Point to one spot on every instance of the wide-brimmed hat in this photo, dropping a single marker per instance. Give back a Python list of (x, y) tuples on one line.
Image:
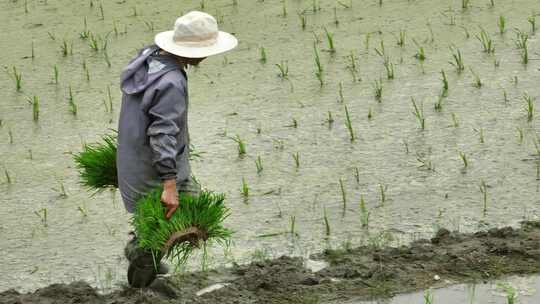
[(195, 35)]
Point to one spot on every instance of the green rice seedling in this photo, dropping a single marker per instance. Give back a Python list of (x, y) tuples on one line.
[(330, 40), (419, 113), (18, 79), (115, 28), (382, 52), (64, 48), (284, 8), (71, 102), (258, 164), (357, 175), (42, 214), (348, 124), (87, 74), (33, 52), (91, 3), (26, 6), (520, 135), (370, 114), (378, 90), (343, 194), (496, 63), (134, 12), (480, 134), (345, 5), (245, 188), (530, 106), (316, 6), (94, 42), (382, 190), (35, 107), (439, 104), (455, 121), (283, 69), (458, 61), (501, 24), (515, 80), (96, 164), (296, 157), (294, 124), (485, 40), (428, 296), (352, 60), (10, 136), (292, 222), (401, 38), (445, 84), (55, 70), (505, 96), (420, 54), (329, 119), (521, 39), (425, 163), (83, 210), (197, 219), (364, 213), (241, 145), (235, 2), (389, 70), (524, 55), (406, 145), (84, 34), (107, 59), (303, 21), (109, 96), (318, 65), (101, 11), (366, 41), (532, 21), (431, 35), (477, 82), (340, 92), (51, 36), (492, 3), (463, 157), (8, 176), (149, 25), (483, 190), (61, 190), (326, 223), (465, 4)]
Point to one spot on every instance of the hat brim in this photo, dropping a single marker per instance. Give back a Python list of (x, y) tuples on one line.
[(224, 42)]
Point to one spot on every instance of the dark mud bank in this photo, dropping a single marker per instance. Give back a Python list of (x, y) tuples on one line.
[(364, 272)]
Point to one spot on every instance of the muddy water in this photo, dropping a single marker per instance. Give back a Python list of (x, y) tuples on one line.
[(236, 94), (525, 288)]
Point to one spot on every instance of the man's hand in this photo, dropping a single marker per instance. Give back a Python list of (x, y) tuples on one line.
[(169, 197)]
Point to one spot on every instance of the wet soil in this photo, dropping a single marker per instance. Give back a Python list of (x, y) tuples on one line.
[(365, 272)]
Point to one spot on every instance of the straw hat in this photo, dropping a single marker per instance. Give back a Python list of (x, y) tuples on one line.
[(195, 35)]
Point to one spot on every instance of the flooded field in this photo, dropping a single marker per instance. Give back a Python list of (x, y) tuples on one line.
[(468, 160)]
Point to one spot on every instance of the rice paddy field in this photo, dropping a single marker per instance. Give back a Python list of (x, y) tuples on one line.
[(333, 124)]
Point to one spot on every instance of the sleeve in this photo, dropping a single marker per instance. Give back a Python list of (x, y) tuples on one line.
[(165, 117)]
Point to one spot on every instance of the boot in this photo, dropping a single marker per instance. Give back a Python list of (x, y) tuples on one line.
[(142, 270)]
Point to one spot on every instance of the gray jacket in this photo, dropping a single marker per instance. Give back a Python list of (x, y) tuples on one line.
[(153, 141)]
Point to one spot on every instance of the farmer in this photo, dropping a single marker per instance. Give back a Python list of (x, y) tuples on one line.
[(153, 140)]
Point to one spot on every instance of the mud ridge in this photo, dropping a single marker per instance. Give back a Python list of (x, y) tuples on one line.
[(361, 273)]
